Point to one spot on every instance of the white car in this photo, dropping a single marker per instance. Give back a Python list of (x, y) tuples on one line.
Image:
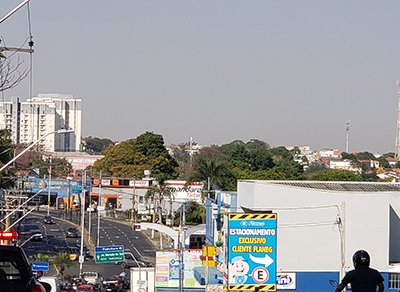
[(92, 278), (54, 282)]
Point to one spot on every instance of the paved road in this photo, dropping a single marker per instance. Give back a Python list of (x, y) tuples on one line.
[(112, 232)]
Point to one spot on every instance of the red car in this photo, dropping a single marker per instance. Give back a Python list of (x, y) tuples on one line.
[(85, 288)]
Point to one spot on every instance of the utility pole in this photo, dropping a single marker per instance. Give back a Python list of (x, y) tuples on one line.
[(98, 212), (6, 199), (81, 257), (347, 128), (49, 189), (90, 216), (133, 201), (181, 245), (342, 231)]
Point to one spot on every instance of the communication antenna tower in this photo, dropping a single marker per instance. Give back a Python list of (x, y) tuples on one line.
[(397, 150), (190, 153), (347, 128)]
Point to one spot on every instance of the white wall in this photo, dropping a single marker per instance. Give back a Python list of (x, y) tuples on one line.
[(308, 238)]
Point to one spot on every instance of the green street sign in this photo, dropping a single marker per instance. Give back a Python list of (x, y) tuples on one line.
[(109, 254)]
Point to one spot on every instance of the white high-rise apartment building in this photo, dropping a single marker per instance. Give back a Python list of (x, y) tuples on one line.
[(32, 119)]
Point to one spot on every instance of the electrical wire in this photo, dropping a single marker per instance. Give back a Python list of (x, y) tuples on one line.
[(305, 208), (308, 224)]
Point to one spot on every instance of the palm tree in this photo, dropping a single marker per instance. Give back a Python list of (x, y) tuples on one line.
[(212, 173), (60, 262), (157, 194)]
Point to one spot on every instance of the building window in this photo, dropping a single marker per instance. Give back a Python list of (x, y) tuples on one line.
[(394, 280)]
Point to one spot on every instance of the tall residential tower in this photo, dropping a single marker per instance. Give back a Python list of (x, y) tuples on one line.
[(32, 119)]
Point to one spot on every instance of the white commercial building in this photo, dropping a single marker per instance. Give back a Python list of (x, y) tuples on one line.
[(32, 119), (322, 224)]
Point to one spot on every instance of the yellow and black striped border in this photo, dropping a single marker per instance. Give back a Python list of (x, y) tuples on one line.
[(271, 287), (247, 216)]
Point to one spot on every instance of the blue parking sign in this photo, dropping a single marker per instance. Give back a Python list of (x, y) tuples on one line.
[(252, 251)]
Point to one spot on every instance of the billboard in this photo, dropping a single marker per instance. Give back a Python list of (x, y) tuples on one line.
[(167, 268), (252, 251), (59, 187), (183, 192)]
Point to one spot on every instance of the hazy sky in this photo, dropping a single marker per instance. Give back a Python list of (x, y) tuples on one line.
[(285, 72)]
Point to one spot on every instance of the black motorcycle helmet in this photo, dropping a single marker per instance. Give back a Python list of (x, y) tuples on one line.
[(361, 258)]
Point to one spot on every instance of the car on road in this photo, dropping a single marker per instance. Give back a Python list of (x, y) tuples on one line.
[(93, 278), (30, 220), (54, 282), (29, 229), (113, 284), (36, 235), (15, 272), (73, 253), (85, 288), (86, 251), (72, 232), (132, 261), (47, 219)]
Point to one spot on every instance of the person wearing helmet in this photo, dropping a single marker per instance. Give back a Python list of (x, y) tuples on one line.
[(362, 278)]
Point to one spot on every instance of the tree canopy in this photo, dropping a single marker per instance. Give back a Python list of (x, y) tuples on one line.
[(6, 146), (131, 157), (335, 175), (94, 145)]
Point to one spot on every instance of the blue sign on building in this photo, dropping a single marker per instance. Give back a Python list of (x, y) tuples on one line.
[(252, 251), (40, 266)]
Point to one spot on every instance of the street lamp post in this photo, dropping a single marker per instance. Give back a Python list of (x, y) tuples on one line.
[(14, 10), (30, 238), (62, 131)]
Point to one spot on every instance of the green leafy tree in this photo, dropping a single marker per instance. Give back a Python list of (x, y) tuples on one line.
[(214, 174), (157, 194), (96, 145), (235, 150), (280, 153), (383, 162), (290, 169), (150, 145), (39, 257), (60, 262), (6, 146), (365, 156), (335, 175), (257, 144), (255, 153), (372, 177), (60, 167), (389, 154), (132, 157), (313, 169), (210, 165), (182, 157), (260, 159), (195, 213)]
